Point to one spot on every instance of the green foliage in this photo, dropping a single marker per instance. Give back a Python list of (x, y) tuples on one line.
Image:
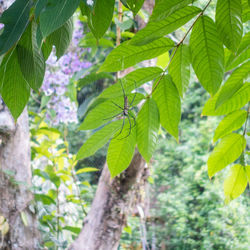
[(179, 69), (61, 38), (207, 54), (169, 105), (127, 55), (15, 19), (147, 126), (121, 149), (229, 24), (227, 151), (133, 5)]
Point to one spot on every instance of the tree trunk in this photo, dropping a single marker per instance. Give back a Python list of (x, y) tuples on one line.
[(112, 203), (15, 181)]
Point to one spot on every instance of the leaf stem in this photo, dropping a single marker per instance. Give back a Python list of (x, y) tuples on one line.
[(177, 46)]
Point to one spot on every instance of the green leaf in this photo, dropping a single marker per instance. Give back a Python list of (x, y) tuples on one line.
[(247, 168), (131, 81), (237, 101), (229, 24), (164, 8), (107, 111), (90, 41), (100, 18), (233, 83), (242, 54), (147, 125), (158, 29), (133, 5), (75, 230), (30, 58), (226, 151), (55, 14), (93, 77), (121, 150), (230, 123), (127, 55), (236, 183), (87, 170), (45, 199), (98, 139), (14, 89), (169, 104), (15, 20), (179, 68), (245, 10), (207, 54), (61, 38)]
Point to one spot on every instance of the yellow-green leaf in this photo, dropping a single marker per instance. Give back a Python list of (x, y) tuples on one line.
[(98, 139), (169, 104), (121, 150), (207, 54), (230, 123), (226, 151), (147, 125), (236, 183)]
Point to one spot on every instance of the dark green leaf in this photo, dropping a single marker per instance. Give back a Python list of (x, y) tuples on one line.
[(30, 58), (75, 230), (15, 20), (179, 68), (158, 29), (229, 24), (61, 37), (14, 89), (227, 151), (127, 55), (100, 18), (147, 125), (93, 77), (207, 54), (45, 199), (134, 5), (55, 14), (169, 104)]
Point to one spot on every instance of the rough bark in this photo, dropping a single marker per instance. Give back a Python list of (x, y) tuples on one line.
[(112, 203), (15, 181)]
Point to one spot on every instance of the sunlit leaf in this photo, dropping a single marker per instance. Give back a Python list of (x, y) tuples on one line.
[(179, 68), (121, 150), (236, 183), (147, 125), (158, 29), (168, 101), (87, 170), (207, 54), (237, 101), (98, 139), (127, 55), (227, 151), (229, 24), (230, 123)]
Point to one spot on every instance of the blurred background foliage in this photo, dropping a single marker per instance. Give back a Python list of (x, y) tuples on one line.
[(181, 209)]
